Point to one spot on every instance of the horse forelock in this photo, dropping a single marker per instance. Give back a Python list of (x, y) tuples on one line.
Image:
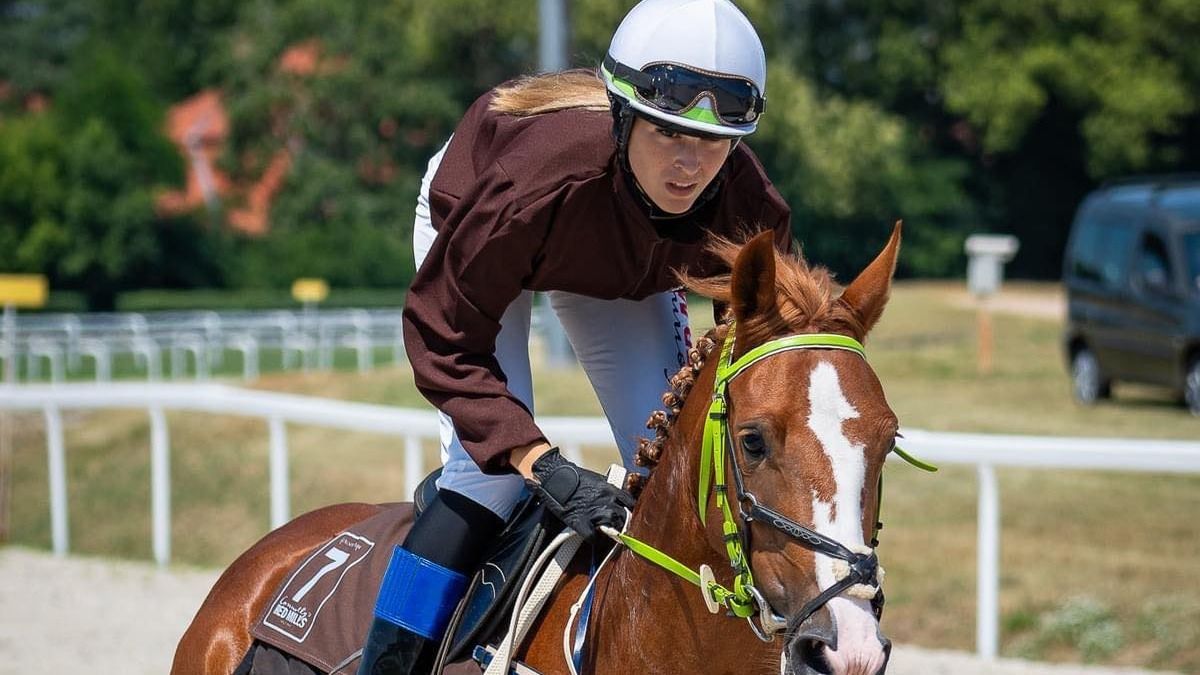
[(806, 298)]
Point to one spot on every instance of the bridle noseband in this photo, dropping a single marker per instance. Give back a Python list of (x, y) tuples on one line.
[(745, 600)]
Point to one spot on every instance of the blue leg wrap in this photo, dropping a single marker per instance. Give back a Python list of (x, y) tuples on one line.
[(419, 595)]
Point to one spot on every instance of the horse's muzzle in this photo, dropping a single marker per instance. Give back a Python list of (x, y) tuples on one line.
[(808, 652)]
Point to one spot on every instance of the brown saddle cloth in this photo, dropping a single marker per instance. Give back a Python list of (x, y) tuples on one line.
[(323, 611)]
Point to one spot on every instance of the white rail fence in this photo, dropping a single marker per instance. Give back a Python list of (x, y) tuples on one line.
[(985, 452), (202, 338)]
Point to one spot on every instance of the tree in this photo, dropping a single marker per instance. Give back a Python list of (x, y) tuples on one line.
[(39, 39), (77, 186), (1045, 98), (386, 85)]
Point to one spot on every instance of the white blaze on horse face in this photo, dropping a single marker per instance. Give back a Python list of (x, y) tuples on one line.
[(841, 519)]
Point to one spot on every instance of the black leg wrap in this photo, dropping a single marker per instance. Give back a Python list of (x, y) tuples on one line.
[(454, 532)]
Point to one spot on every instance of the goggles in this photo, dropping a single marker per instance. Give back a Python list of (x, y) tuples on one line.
[(676, 89)]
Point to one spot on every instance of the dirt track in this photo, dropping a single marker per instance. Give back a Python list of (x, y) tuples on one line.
[(97, 616)]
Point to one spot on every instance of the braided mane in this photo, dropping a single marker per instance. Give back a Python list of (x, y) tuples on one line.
[(806, 302)]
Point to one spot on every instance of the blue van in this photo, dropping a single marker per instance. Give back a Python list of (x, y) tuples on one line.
[(1132, 277)]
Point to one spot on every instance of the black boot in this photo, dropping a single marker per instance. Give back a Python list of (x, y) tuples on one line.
[(425, 580), (391, 650)]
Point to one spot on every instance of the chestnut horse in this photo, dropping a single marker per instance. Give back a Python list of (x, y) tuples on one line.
[(796, 430)]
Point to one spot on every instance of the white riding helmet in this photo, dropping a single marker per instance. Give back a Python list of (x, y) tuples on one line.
[(694, 64)]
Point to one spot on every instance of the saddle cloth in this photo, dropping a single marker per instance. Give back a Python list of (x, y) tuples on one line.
[(323, 611)]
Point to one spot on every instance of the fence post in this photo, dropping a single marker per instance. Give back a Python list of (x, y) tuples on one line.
[(58, 480), (573, 452), (160, 485), (280, 508), (414, 469), (987, 621)]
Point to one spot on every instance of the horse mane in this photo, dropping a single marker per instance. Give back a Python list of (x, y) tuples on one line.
[(549, 92), (805, 302)]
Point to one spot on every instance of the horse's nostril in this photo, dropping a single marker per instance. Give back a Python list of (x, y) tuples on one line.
[(808, 655), (887, 654)]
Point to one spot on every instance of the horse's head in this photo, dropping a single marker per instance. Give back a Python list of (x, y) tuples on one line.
[(795, 432)]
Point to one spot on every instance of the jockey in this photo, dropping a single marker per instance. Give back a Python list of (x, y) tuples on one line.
[(594, 190)]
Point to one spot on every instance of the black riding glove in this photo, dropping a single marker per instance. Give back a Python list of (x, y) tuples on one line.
[(583, 500)]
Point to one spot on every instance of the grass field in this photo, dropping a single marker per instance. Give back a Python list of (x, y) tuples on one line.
[(1096, 566)]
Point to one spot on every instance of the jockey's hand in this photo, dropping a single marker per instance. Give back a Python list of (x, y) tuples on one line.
[(581, 499)]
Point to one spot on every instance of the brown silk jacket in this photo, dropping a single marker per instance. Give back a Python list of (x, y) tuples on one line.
[(540, 203)]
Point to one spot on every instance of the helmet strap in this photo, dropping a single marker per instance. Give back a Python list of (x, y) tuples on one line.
[(622, 114)]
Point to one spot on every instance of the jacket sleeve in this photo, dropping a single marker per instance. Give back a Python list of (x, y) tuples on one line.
[(474, 270), (784, 240)]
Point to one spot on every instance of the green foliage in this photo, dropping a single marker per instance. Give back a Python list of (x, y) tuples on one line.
[(954, 117), (39, 39), (1118, 64), (1081, 623), (1168, 623), (77, 188), (850, 170), (385, 95), (1043, 99)]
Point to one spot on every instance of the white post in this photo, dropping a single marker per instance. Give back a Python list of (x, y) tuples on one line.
[(248, 346), (73, 328), (414, 469), (280, 508), (10, 343), (552, 35), (987, 619), (148, 352), (8, 336), (553, 39), (58, 480), (100, 353), (573, 452), (160, 485)]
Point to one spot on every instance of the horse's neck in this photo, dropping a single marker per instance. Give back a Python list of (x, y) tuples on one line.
[(667, 517), (645, 604)]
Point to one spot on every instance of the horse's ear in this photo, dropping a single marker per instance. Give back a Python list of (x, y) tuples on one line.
[(753, 282), (867, 295)]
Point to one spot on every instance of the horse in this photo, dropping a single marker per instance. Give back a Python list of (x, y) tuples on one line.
[(791, 426)]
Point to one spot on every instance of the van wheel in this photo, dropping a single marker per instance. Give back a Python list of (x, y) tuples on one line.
[(1191, 387), (1088, 382)]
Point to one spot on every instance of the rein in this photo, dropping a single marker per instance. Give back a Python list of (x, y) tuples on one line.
[(744, 600)]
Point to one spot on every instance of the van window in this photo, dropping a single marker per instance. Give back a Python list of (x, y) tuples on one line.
[(1103, 242), (1153, 266), (1130, 194), (1183, 202), (1191, 253)]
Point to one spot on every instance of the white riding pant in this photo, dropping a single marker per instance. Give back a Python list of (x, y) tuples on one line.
[(629, 349)]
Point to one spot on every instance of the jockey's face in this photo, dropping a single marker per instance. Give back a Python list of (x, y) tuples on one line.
[(673, 169)]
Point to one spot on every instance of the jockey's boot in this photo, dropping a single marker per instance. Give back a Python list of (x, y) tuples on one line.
[(425, 580)]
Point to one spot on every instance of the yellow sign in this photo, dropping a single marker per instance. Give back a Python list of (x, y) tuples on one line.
[(310, 290), (23, 290)]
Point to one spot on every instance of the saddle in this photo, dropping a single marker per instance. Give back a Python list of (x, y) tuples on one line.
[(323, 611)]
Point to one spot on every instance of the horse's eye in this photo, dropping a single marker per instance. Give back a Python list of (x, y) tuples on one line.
[(753, 444)]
